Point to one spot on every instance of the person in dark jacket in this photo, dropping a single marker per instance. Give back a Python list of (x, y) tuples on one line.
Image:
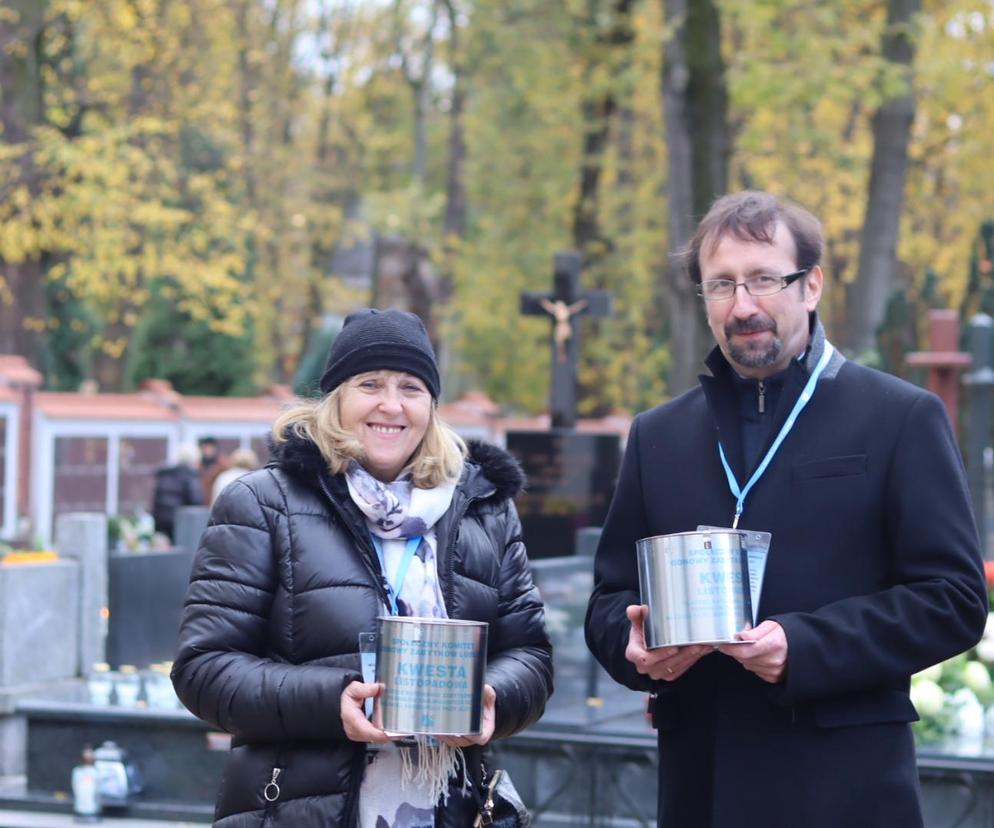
[(301, 557), (873, 572), (175, 486)]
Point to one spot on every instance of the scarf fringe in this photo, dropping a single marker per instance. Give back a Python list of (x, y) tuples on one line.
[(431, 765)]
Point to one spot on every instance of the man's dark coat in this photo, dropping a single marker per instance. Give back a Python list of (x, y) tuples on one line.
[(874, 573)]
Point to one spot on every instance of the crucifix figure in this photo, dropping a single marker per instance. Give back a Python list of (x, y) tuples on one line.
[(563, 306)]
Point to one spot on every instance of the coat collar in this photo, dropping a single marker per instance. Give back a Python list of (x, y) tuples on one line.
[(489, 471), (719, 388)]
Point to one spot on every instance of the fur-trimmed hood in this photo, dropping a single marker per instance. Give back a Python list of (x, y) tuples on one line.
[(485, 462)]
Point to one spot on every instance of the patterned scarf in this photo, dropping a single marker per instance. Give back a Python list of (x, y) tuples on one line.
[(394, 512)]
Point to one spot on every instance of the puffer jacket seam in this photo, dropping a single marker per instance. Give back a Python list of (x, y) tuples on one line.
[(291, 592)]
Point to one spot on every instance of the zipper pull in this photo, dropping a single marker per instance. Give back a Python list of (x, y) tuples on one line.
[(762, 397), (272, 791)]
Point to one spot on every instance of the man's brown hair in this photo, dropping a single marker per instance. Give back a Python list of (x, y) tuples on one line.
[(753, 215)]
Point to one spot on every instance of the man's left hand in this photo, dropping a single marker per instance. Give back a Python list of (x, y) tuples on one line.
[(766, 656)]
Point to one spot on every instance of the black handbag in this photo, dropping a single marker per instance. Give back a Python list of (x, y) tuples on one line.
[(500, 805)]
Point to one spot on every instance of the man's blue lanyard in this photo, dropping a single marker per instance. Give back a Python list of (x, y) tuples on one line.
[(397, 584), (803, 400)]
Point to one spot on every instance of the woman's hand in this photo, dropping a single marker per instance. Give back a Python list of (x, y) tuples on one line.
[(357, 727), (486, 723)]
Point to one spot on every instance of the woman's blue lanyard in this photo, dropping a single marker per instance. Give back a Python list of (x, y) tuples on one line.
[(397, 584), (803, 400)]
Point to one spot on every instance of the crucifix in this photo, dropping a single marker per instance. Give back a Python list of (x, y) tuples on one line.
[(563, 306)]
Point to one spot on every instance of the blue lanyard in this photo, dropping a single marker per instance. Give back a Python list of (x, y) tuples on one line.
[(803, 400), (394, 587)]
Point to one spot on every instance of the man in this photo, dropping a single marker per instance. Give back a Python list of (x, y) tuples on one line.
[(211, 465), (176, 485), (873, 571)]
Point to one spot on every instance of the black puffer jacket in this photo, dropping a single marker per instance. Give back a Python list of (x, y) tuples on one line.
[(282, 585)]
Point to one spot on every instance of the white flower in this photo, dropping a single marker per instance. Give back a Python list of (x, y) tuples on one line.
[(989, 626), (976, 676), (933, 673), (927, 697), (985, 650)]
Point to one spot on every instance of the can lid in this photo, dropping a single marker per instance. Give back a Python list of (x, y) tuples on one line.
[(443, 622)]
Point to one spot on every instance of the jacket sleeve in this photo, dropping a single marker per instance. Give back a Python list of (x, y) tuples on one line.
[(616, 572), (520, 665), (937, 604), (222, 671)]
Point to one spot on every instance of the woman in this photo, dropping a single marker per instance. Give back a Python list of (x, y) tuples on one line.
[(243, 460), (291, 570)]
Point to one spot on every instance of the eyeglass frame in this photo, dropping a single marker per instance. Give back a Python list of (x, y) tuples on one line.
[(785, 282)]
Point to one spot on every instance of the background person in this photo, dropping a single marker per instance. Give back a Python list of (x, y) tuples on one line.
[(241, 462), (301, 557), (176, 485), (874, 571)]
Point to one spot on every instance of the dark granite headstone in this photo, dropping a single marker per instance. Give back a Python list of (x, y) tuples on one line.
[(146, 590), (571, 478)]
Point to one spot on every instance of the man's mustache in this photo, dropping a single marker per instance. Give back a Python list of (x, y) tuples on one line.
[(754, 324)]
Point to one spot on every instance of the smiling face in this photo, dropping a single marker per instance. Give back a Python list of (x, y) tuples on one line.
[(760, 335), (388, 412)]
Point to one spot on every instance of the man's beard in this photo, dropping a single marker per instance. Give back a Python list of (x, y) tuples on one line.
[(755, 355)]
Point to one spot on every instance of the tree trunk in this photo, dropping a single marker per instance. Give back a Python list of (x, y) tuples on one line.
[(22, 284), (695, 108), (596, 115), (867, 296)]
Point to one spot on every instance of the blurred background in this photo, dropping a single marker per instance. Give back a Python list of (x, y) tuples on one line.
[(199, 190)]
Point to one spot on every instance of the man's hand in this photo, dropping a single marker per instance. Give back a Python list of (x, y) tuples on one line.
[(357, 727), (662, 663), (766, 656)]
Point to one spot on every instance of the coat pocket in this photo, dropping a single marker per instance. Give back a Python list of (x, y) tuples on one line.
[(845, 466), (876, 707)]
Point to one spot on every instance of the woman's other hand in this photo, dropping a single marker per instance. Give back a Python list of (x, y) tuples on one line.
[(357, 727), (486, 723)]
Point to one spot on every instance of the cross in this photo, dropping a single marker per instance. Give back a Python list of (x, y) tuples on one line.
[(563, 305)]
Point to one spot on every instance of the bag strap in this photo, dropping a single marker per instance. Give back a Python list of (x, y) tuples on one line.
[(486, 802)]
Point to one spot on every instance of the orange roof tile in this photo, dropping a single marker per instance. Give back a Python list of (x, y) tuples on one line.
[(15, 370), (73, 406), (223, 409)]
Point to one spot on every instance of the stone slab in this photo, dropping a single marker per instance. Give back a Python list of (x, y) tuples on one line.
[(39, 622), (83, 536)]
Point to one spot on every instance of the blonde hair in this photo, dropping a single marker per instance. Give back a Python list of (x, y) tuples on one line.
[(438, 459)]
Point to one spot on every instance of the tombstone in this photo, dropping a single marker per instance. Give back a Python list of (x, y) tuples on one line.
[(147, 591), (189, 525), (83, 536), (39, 629), (571, 477), (979, 382), (39, 622), (943, 360)]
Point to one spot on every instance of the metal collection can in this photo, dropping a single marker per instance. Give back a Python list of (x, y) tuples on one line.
[(696, 585), (432, 670)]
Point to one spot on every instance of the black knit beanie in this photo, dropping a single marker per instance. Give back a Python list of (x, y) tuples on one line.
[(378, 340)]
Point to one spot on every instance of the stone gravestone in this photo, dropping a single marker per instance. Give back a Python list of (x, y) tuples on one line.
[(571, 475), (571, 478), (83, 537), (189, 526), (147, 591)]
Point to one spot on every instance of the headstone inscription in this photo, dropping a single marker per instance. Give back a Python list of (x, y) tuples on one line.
[(571, 477)]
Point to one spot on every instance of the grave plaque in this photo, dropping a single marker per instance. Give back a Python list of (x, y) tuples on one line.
[(147, 591), (571, 477)]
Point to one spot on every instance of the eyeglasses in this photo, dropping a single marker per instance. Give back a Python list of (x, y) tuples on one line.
[(716, 290)]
